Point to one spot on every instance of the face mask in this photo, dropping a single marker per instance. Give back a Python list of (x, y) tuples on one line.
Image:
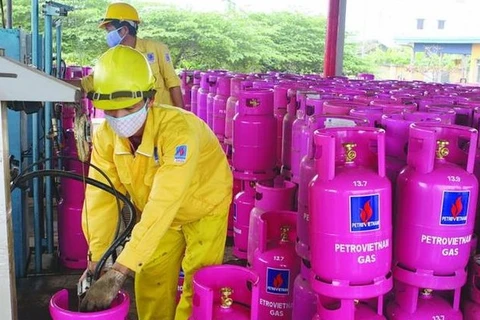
[(114, 38), (128, 125)]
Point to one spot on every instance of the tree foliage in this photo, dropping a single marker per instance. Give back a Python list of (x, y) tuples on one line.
[(237, 41)]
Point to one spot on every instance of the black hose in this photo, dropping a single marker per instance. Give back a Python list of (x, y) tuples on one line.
[(117, 230), (122, 236)]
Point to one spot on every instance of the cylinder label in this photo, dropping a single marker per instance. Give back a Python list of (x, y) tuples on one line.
[(278, 281), (364, 213), (454, 208)]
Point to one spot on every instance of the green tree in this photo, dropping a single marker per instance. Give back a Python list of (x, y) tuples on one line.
[(236, 41)]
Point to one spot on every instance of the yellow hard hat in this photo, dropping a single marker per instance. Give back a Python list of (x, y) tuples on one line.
[(119, 11), (122, 77)]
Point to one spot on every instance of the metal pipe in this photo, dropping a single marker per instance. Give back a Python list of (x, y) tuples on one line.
[(58, 53), (58, 28), (342, 12), (331, 39), (48, 143), (9, 15), (35, 146)]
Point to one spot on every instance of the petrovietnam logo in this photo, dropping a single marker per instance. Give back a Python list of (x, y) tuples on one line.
[(278, 281), (454, 208), (364, 213)]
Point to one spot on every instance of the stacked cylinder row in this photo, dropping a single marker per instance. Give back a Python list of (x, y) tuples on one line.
[(353, 198)]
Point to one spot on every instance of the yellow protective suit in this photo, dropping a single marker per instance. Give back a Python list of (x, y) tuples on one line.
[(180, 181), (158, 56)]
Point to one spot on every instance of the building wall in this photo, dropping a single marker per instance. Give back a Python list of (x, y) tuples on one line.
[(405, 73), (474, 62)]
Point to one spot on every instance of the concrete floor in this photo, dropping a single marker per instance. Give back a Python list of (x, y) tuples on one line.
[(34, 291)]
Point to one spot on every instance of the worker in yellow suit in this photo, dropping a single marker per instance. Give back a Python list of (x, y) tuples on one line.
[(121, 22), (173, 168)]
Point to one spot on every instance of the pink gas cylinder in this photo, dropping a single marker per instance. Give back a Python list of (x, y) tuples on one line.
[(243, 204), (446, 116), (212, 92), (186, 77), (288, 120), (86, 70), (59, 308), (371, 113), (277, 195), (254, 133), (237, 84), (406, 99), (415, 303), (468, 103), (332, 309), (237, 188), (476, 118), (304, 298), (433, 248), (365, 99), (74, 72), (471, 303), (365, 76), (350, 255), (68, 116), (202, 96), (314, 106), (225, 292), (72, 245), (298, 126), (340, 107), (280, 101), (220, 105), (463, 113), (277, 264), (396, 126), (194, 93), (263, 84), (424, 101), (307, 172), (473, 268), (395, 107), (347, 93)]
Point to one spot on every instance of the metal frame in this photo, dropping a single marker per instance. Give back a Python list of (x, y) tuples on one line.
[(14, 78)]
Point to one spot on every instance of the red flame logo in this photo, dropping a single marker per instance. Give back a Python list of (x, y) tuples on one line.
[(180, 151), (367, 212), (278, 281), (457, 207)]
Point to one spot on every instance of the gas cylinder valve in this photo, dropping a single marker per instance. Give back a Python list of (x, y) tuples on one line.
[(442, 150), (350, 154), (284, 233), (426, 292), (227, 301)]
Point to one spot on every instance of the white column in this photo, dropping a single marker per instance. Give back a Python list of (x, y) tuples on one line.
[(8, 300)]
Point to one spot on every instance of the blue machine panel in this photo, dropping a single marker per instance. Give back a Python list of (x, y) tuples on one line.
[(14, 41)]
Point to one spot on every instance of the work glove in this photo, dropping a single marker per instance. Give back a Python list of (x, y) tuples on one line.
[(103, 291)]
